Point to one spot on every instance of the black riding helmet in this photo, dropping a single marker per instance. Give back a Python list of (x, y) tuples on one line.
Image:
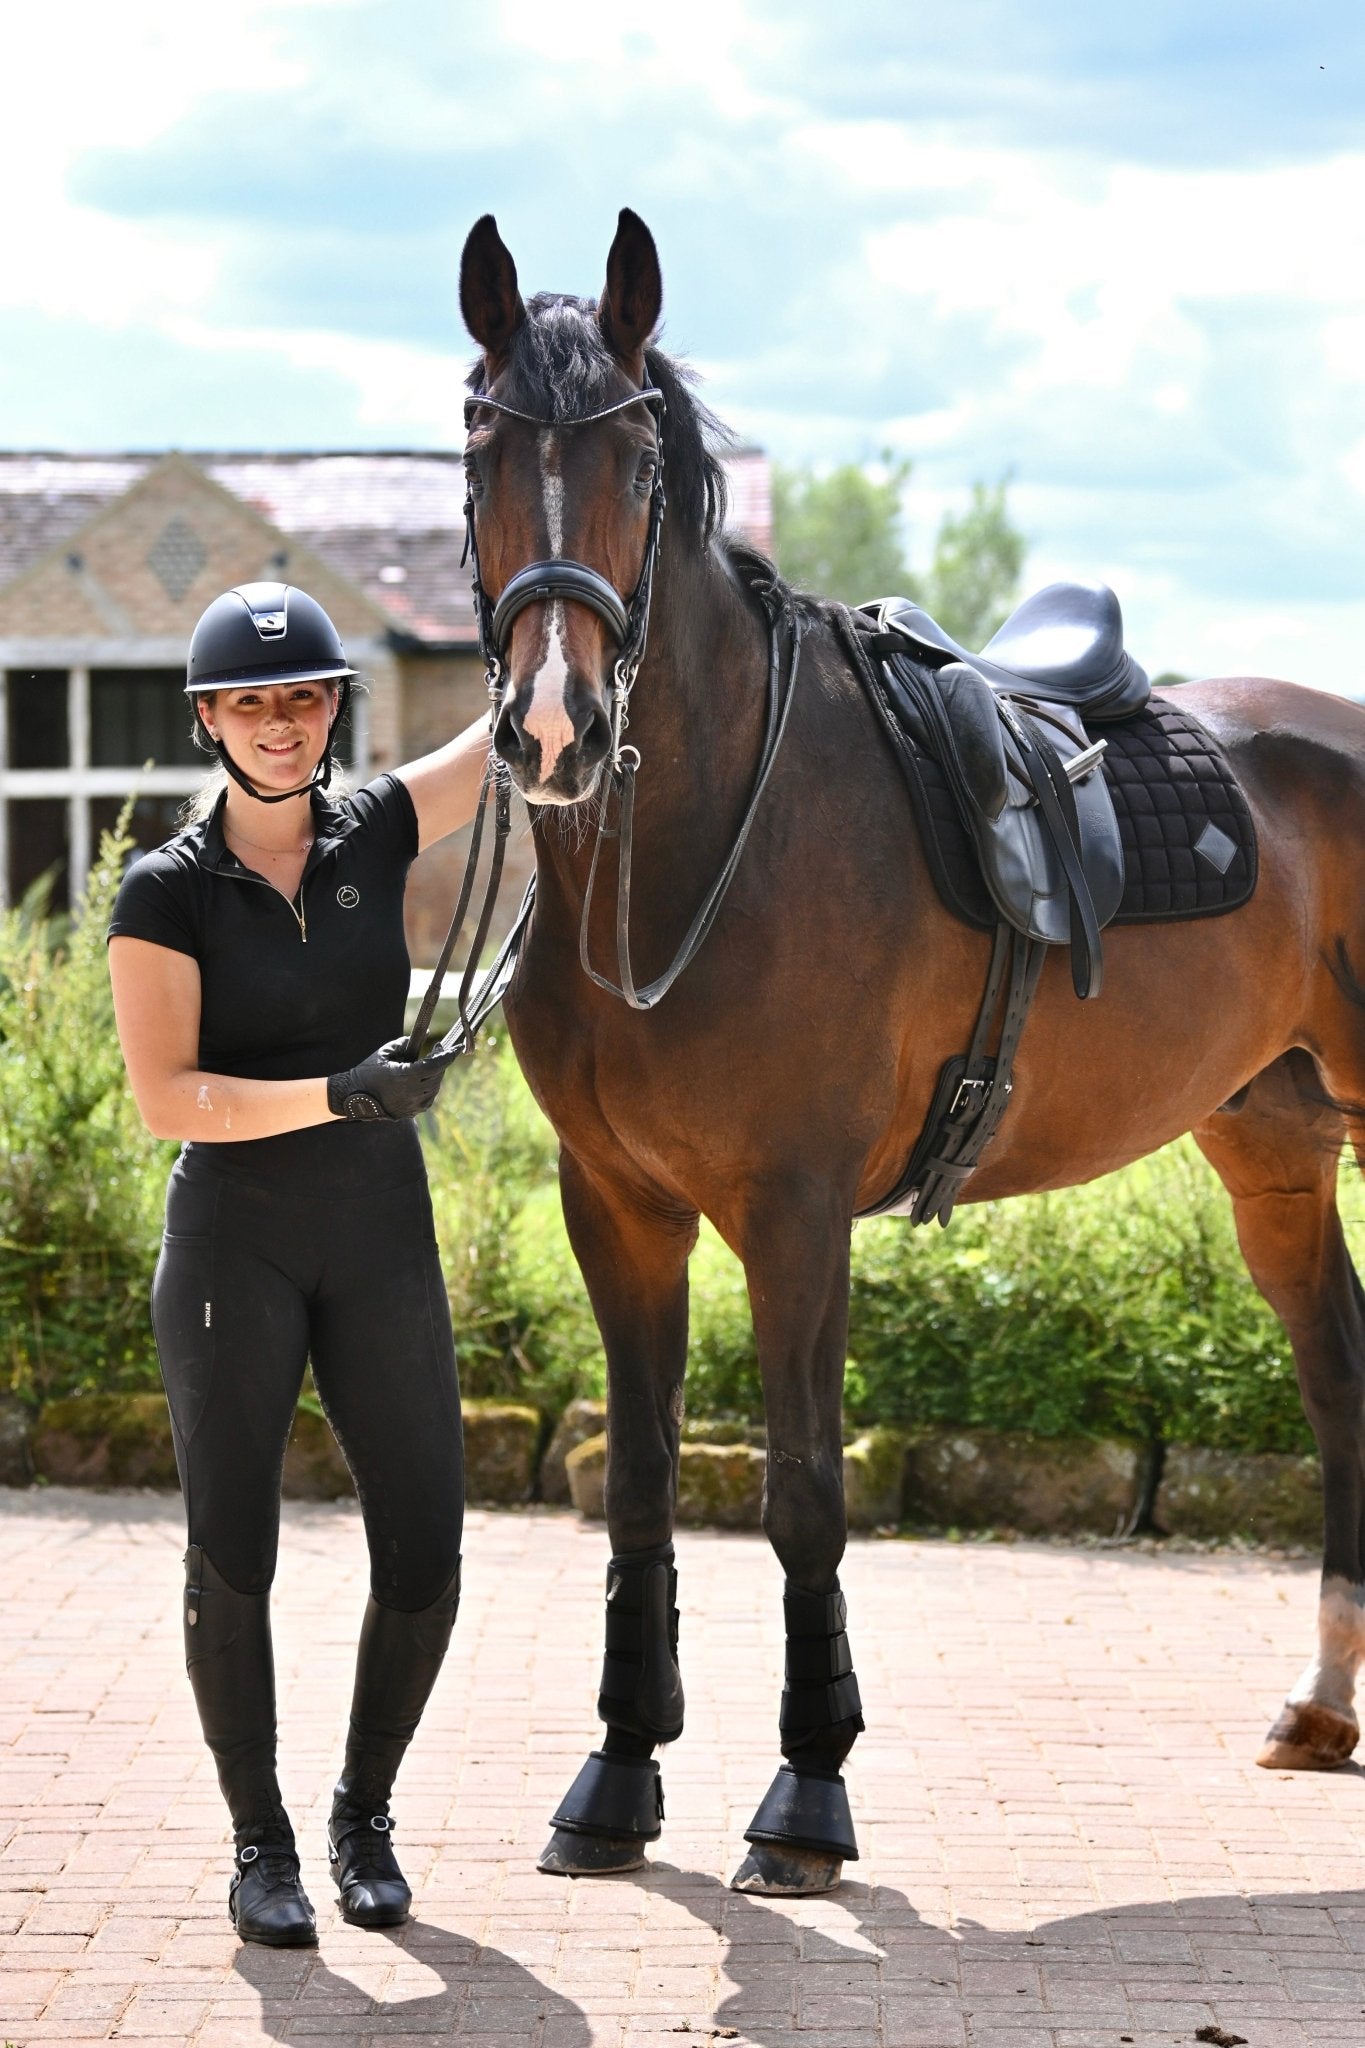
[(266, 633)]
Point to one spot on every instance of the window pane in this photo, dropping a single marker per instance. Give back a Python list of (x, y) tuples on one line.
[(36, 704), (37, 843), (153, 822), (137, 715)]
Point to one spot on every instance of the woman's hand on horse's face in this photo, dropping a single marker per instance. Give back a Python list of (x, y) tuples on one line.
[(274, 732)]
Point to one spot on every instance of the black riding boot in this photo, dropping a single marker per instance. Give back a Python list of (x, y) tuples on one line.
[(232, 1670), (399, 1657)]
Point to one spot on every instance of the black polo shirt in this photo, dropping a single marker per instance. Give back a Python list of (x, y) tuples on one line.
[(287, 992)]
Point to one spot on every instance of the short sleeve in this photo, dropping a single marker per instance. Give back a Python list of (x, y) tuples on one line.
[(155, 902), (385, 812)]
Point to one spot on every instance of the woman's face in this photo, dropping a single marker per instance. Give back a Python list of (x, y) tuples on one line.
[(275, 732)]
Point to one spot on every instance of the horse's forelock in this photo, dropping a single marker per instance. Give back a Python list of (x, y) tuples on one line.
[(558, 367)]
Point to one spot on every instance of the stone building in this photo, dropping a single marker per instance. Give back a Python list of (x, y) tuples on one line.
[(107, 561)]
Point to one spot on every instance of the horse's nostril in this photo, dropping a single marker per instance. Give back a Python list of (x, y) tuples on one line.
[(507, 734), (595, 739)]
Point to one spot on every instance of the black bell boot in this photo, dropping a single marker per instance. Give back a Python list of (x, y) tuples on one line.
[(232, 1670), (399, 1657)]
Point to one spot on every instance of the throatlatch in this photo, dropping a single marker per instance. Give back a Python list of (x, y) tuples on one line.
[(806, 1806), (618, 1792)]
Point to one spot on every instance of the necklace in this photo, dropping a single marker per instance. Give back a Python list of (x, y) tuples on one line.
[(256, 847)]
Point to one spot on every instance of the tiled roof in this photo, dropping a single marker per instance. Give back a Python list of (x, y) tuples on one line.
[(392, 523)]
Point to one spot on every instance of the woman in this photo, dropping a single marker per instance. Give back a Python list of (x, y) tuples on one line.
[(257, 961)]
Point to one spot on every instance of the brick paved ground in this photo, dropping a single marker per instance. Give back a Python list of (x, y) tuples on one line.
[(1065, 1844)]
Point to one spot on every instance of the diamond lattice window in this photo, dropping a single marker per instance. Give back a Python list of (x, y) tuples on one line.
[(177, 557)]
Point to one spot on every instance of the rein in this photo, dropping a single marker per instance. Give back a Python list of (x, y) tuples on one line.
[(627, 619), (778, 709)]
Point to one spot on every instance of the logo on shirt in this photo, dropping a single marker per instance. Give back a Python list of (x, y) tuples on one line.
[(348, 897)]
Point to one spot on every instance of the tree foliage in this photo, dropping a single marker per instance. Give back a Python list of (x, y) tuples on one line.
[(973, 582), (840, 533)]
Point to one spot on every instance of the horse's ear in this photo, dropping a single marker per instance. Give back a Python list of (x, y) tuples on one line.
[(489, 299), (633, 296)]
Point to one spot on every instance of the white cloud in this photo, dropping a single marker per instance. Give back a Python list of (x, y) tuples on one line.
[(1172, 357)]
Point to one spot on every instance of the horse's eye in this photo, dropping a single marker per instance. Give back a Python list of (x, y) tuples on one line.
[(646, 473), (473, 481)]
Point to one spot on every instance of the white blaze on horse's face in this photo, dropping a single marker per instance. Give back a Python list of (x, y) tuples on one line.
[(547, 719)]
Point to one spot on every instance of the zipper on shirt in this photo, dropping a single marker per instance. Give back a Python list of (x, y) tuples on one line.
[(296, 909)]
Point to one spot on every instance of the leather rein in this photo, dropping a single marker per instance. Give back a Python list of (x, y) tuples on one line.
[(628, 622)]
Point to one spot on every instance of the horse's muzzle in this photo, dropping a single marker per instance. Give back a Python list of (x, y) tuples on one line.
[(554, 759)]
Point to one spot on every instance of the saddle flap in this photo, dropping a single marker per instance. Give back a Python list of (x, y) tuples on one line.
[(1019, 859)]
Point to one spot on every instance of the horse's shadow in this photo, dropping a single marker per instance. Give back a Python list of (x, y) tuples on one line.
[(865, 1965), (862, 1965), (483, 1991)]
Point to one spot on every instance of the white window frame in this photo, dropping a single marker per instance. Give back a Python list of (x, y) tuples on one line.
[(78, 783)]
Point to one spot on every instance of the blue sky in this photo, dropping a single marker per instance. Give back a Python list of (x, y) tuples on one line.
[(1118, 255)]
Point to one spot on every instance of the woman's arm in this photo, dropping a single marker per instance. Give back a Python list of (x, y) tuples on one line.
[(156, 1004), (444, 786)]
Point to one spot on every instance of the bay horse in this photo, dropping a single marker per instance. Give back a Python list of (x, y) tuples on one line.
[(780, 1086)]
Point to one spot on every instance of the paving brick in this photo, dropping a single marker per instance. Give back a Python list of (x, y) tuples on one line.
[(1065, 1840)]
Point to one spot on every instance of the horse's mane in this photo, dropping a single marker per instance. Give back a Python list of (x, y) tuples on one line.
[(559, 367)]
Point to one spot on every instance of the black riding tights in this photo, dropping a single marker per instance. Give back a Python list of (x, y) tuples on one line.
[(255, 1278)]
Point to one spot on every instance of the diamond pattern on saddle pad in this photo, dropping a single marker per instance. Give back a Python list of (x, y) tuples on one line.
[(1189, 844)]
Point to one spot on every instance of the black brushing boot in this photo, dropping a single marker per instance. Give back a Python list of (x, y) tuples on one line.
[(232, 1670), (400, 1655)]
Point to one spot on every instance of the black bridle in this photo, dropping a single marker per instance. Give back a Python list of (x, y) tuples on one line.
[(627, 619)]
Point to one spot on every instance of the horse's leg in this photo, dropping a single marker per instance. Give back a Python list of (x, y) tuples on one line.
[(634, 1262), (795, 1248), (1277, 1156)]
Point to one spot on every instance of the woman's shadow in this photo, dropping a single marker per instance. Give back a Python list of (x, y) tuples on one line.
[(483, 1992)]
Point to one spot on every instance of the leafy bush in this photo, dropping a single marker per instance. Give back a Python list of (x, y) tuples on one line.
[(1122, 1309), (522, 1321), (81, 1190), (1118, 1309)]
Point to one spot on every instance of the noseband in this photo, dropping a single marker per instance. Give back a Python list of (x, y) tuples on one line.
[(626, 619)]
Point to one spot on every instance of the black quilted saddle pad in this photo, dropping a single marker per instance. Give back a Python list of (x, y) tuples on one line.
[(1189, 844)]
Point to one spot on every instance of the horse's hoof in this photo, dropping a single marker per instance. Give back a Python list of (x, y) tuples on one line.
[(786, 1873), (1307, 1737), (570, 1855)]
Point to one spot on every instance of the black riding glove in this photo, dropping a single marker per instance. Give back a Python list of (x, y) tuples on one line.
[(388, 1084)]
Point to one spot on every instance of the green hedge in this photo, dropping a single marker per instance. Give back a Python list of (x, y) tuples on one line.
[(81, 1182), (1118, 1309)]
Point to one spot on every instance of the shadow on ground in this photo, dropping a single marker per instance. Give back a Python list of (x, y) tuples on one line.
[(483, 1992), (864, 1967)]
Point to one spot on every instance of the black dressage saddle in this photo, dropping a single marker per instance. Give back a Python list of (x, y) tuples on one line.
[(1006, 728)]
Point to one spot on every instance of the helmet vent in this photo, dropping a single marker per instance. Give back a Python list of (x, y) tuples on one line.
[(176, 557)]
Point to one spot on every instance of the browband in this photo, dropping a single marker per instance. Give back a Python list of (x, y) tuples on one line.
[(649, 394)]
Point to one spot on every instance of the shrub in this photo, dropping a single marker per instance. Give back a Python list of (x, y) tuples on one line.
[(81, 1192), (522, 1322), (1122, 1308)]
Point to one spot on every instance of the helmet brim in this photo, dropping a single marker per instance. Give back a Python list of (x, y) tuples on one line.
[(255, 678)]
